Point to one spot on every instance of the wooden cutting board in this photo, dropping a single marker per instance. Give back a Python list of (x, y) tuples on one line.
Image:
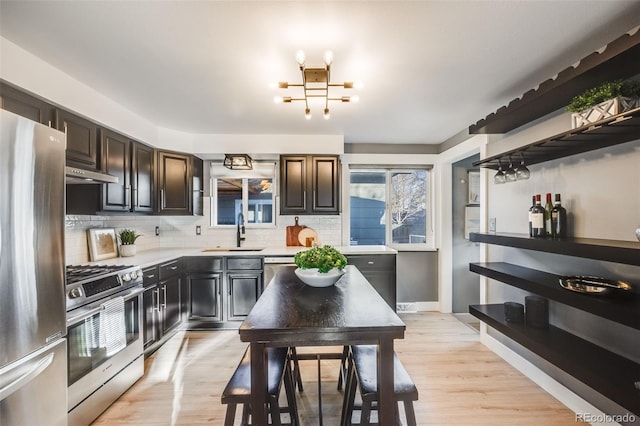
[(292, 233)]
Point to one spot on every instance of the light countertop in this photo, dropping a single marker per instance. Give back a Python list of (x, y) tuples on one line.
[(152, 257)]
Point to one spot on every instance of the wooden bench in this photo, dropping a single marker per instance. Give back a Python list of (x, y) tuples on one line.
[(238, 389), (362, 373)]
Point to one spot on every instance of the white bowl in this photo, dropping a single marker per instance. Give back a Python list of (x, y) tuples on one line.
[(314, 278)]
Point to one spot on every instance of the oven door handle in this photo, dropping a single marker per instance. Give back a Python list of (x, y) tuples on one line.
[(33, 372), (87, 313)]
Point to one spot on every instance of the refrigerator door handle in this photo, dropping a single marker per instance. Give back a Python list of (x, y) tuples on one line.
[(33, 372)]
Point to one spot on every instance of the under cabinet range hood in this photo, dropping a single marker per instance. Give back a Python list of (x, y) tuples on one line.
[(81, 176)]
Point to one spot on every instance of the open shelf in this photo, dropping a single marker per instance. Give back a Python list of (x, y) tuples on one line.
[(619, 60), (623, 309), (627, 252), (610, 374), (621, 128)]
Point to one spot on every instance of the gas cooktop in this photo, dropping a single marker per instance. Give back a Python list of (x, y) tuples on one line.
[(90, 283)]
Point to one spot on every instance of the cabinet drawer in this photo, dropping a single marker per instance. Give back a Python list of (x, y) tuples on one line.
[(203, 264), (378, 261), (241, 263), (150, 275), (170, 269)]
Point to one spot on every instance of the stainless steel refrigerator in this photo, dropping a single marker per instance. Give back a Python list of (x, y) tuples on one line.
[(33, 352)]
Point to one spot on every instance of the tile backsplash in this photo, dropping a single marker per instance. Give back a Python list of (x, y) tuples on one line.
[(180, 231)]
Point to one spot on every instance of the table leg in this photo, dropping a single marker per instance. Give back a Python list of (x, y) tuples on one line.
[(386, 406), (258, 384)]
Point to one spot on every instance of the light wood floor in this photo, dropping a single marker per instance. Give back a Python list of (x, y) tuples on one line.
[(460, 381)]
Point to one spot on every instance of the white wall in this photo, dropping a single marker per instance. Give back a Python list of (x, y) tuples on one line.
[(601, 191), (32, 74)]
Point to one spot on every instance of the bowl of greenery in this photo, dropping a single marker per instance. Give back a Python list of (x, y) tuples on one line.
[(320, 266), (127, 238)]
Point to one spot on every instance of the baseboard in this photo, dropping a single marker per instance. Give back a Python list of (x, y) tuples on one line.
[(563, 394), (418, 307)]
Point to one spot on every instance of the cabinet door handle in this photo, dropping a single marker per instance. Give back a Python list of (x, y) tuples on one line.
[(127, 195), (157, 304), (135, 196), (304, 199), (164, 297), (151, 276), (370, 262), (173, 268), (162, 204)]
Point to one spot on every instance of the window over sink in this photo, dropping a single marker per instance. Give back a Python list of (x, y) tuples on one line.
[(250, 192)]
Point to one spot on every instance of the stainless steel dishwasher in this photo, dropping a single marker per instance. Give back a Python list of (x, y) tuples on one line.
[(272, 264)]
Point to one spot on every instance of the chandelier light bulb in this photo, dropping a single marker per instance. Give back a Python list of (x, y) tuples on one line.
[(358, 85), (355, 99), (307, 114), (300, 57), (278, 99), (327, 115), (328, 57)]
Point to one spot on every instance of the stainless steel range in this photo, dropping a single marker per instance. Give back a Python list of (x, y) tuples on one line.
[(105, 348)]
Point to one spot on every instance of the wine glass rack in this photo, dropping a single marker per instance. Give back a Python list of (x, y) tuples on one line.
[(618, 129)]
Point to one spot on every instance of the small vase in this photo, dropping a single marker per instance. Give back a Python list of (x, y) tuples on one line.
[(127, 250)]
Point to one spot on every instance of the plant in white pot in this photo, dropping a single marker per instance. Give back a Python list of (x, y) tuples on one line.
[(604, 101), (320, 266), (128, 239)]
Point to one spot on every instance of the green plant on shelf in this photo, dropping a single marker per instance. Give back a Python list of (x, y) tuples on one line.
[(324, 258), (609, 90), (128, 236)]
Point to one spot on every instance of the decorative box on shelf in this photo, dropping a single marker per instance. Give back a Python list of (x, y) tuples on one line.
[(604, 110)]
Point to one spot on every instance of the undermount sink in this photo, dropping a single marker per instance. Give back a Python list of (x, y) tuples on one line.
[(220, 249)]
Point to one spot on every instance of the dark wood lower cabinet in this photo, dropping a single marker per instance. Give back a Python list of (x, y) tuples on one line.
[(204, 296), (222, 290), (162, 303)]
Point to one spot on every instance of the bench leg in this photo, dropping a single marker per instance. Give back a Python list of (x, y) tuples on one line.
[(411, 415), (349, 395), (230, 416), (245, 415), (290, 391), (365, 414)]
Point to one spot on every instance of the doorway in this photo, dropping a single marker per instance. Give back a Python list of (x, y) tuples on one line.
[(465, 218)]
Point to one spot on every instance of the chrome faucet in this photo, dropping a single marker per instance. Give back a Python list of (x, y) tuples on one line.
[(239, 239)]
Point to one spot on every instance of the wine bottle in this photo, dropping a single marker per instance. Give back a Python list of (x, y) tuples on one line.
[(558, 219), (537, 219), (533, 203), (547, 215)]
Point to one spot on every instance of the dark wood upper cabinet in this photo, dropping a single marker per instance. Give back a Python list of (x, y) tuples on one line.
[(25, 105), (309, 184), (142, 182), (83, 146), (116, 162), (174, 183), (198, 186)]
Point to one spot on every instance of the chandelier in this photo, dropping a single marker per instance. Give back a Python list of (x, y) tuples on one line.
[(315, 84)]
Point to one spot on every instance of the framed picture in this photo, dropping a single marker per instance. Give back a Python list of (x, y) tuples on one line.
[(102, 243), (474, 187)]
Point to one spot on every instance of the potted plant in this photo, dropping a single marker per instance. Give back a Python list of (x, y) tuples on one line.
[(606, 100), (320, 266), (127, 238)]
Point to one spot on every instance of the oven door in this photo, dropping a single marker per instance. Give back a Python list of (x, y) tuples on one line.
[(103, 338)]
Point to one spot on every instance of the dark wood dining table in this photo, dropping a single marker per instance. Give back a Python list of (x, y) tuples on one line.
[(290, 313)]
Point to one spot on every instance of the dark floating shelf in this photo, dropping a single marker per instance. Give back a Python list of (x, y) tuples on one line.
[(621, 128), (626, 252), (622, 308), (619, 60), (610, 374)]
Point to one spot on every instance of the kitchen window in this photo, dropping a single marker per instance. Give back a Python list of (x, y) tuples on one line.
[(250, 192), (391, 206)]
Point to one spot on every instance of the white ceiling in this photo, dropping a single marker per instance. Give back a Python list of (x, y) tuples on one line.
[(430, 68)]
